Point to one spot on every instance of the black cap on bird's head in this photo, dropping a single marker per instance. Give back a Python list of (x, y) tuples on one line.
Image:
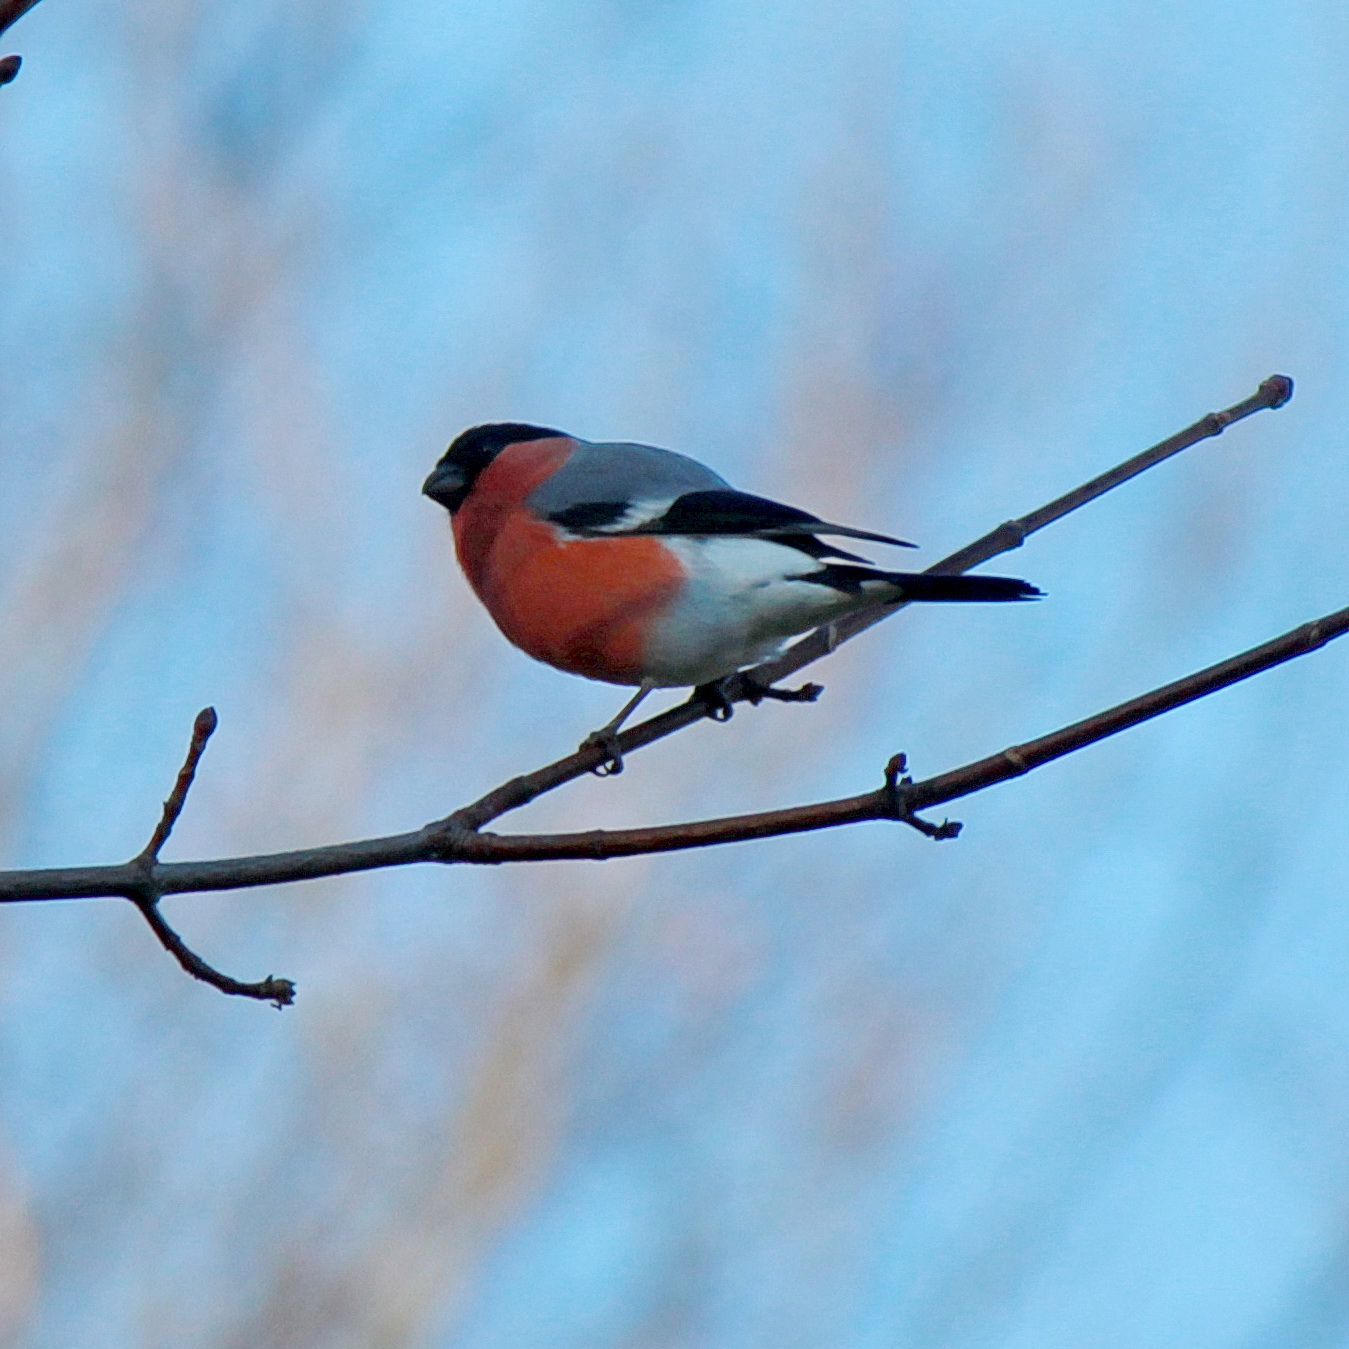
[(453, 477)]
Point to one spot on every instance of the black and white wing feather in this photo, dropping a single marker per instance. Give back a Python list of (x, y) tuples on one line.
[(625, 489), (726, 511)]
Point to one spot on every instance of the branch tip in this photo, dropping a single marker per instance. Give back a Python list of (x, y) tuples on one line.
[(1276, 391), (279, 992), (1273, 393), (9, 68)]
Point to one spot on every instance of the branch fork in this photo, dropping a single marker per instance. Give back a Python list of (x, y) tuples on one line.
[(145, 890)]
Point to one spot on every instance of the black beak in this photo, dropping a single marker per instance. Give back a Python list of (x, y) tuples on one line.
[(446, 485)]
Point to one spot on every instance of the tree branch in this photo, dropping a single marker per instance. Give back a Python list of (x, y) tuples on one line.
[(1272, 393), (896, 799), (459, 838), (452, 841), (11, 11)]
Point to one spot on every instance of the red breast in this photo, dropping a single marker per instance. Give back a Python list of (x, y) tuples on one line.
[(582, 605)]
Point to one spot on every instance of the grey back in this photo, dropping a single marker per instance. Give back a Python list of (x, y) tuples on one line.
[(618, 472)]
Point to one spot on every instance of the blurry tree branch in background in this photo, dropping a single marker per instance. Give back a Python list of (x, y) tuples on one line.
[(11, 11), (460, 837)]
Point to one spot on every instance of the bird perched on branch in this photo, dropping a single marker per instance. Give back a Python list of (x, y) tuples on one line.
[(637, 566)]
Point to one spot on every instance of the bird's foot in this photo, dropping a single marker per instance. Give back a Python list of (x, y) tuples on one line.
[(714, 700), (714, 696), (756, 692), (606, 739)]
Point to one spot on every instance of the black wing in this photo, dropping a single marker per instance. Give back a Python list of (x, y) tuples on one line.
[(730, 512)]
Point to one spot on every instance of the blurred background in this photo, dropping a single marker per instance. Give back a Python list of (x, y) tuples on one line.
[(1078, 1079)]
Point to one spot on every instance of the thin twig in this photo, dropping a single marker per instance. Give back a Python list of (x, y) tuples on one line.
[(279, 992), (1272, 393), (11, 11), (898, 799), (202, 730), (146, 889)]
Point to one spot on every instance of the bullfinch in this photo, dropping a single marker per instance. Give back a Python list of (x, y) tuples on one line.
[(641, 567)]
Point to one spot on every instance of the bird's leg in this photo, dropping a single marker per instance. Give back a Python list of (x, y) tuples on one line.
[(606, 738)]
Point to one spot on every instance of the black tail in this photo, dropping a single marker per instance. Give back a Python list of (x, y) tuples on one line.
[(925, 587)]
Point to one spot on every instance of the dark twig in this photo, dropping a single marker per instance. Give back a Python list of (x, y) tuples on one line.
[(11, 11), (146, 890), (202, 730), (1272, 393), (279, 992)]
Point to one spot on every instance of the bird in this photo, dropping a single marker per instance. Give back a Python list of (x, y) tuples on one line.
[(642, 567)]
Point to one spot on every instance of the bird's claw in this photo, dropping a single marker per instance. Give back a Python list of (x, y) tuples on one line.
[(605, 739), (756, 692), (719, 707), (714, 700)]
